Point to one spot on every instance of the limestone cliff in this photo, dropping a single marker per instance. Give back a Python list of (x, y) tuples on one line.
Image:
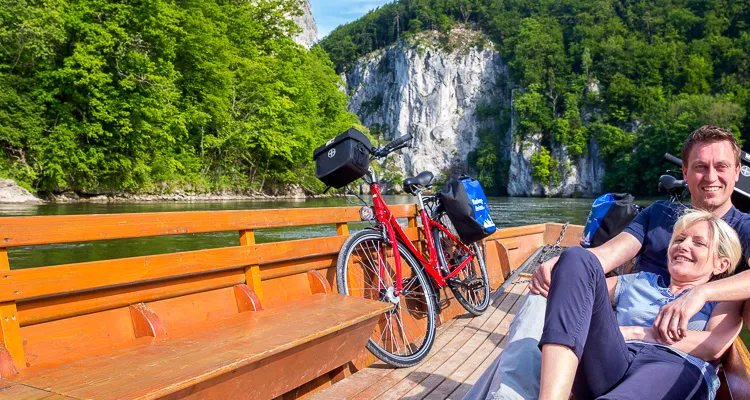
[(430, 92), (580, 177), (433, 90), (306, 22)]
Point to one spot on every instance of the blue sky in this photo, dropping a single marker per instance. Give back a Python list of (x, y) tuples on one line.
[(329, 14)]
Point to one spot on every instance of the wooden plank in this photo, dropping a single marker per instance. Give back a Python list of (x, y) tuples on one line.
[(247, 300), (518, 231), (58, 342), (461, 391), (7, 368), (10, 326), (737, 370), (342, 229), (484, 345), (377, 378), (196, 311), (318, 283), (495, 273), (235, 343), (12, 390), (27, 231), (510, 244), (145, 321), (252, 271), (421, 377), (572, 234), (449, 367), (58, 307), (70, 278)]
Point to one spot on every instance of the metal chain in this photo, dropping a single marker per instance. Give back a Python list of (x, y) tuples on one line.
[(553, 250)]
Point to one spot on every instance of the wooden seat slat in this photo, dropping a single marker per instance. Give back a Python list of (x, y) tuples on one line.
[(28, 231), (12, 390), (161, 367)]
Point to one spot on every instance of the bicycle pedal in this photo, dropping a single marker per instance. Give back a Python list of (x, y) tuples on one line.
[(456, 282)]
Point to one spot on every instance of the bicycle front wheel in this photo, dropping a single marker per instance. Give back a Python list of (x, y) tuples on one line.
[(471, 286), (366, 268)]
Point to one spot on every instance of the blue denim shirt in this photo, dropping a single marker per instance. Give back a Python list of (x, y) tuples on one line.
[(638, 298)]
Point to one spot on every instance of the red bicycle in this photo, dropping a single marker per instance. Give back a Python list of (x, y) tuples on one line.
[(381, 263)]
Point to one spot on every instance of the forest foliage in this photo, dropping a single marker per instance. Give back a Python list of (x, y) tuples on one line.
[(635, 75), (199, 95)]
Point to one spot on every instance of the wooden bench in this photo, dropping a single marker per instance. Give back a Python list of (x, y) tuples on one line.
[(192, 324)]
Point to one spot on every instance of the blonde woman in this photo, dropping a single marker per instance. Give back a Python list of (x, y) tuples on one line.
[(597, 352)]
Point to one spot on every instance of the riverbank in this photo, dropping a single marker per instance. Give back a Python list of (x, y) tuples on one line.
[(12, 193)]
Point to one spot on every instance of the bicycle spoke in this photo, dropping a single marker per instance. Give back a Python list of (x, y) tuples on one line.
[(403, 335)]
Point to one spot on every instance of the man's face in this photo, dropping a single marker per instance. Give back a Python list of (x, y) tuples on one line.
[(711, 173)]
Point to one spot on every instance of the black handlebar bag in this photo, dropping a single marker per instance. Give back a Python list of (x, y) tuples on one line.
[(343, 159)]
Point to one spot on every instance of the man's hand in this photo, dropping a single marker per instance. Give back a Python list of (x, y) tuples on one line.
[(638, 333), (670, 325), (541, 278)]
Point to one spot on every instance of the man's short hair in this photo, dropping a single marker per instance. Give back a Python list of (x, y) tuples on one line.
[(709, 134)]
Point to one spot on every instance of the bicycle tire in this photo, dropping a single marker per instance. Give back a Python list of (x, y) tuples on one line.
[(414, 313), (475, 298)]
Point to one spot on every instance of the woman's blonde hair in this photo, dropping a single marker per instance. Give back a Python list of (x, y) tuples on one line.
[(723, 240)]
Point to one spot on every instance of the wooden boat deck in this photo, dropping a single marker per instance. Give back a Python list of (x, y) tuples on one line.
[(464, 348)]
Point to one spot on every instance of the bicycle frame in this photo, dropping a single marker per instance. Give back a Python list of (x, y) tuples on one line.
[(395, 233)]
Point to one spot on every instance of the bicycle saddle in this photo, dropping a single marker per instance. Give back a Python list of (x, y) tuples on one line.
[(670, 184), (423, 179)]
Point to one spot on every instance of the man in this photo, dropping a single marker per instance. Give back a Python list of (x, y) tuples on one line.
[(711, 166)]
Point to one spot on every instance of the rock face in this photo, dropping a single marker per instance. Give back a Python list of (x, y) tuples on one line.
[(430, 93), (434, 95), (10, 192), (306, 22), (580, 177)]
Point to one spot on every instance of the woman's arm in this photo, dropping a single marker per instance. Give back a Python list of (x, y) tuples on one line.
[(723, 326)]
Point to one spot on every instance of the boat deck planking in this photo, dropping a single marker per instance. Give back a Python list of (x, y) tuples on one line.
[(464, 348)]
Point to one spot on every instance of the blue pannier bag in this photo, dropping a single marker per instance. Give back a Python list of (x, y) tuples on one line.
[(466, 205), (610, 214)]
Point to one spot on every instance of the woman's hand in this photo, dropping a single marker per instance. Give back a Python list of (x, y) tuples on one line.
[(670, 325)]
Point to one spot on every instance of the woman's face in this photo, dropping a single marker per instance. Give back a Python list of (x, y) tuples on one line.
[(691, 257)]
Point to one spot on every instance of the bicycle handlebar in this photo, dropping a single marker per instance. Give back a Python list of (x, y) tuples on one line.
[(674, 160), (403, 141)]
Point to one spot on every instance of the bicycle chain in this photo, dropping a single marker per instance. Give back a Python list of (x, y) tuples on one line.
[(553, 250)]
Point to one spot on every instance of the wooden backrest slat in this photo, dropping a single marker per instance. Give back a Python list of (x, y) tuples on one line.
[(59, 307), (517, 231), (28, 231), (71, 278)]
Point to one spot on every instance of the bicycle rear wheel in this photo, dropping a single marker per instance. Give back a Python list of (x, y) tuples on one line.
[(471, 285), (366, 268)]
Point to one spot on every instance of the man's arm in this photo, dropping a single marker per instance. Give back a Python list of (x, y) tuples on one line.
[(723, 326), (611, 255), (673, 318)]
